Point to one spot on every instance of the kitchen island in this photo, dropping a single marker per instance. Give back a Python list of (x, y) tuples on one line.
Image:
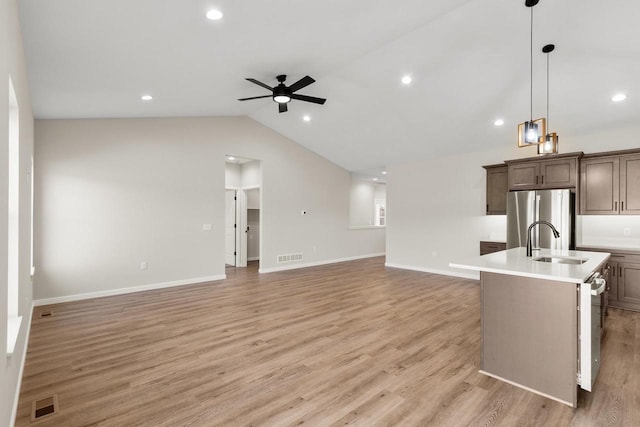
[(536, 319)]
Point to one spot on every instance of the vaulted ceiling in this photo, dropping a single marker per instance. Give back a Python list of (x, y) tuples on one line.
[(469, 61)]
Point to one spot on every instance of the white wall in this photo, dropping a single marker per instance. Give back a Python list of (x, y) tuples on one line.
[(251, 175), (232, 173), (435, 208), (12, 63), (253, 237), (362, 200), (116, 192), (253, 198)]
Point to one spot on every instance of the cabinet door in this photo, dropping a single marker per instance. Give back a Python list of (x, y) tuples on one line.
[(629, 283), (630, 184), (613, 278), (497, 184), (562, 173), (524, 176), (599, 186)]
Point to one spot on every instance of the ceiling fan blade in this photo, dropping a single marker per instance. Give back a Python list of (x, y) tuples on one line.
[(254, 97), (303, 82), (260, 83), (282, 108), (308, 98)]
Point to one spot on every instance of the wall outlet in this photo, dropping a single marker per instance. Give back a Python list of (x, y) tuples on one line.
[(626, 231), (143, 265), (314, 249), (206, 227), (434, 253)]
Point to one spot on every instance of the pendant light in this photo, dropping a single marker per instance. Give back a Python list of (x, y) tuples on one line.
[(550, 144), (531, 132)]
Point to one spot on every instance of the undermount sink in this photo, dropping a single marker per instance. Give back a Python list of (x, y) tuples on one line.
[(561, 260)]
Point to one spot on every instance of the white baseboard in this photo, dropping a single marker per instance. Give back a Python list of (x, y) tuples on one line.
[(121, 291), (253, 258), (472, 276), (23, 357), (316, 263)]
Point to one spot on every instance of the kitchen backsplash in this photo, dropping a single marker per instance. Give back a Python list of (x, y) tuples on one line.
[(622, 231)]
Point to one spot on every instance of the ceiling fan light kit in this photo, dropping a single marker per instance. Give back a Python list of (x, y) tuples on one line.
[(283, 94)]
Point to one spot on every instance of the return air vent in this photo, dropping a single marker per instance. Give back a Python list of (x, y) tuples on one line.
[(289, 258), (44, 407)]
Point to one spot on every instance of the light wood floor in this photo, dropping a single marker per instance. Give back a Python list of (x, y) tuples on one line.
[(348, 344)]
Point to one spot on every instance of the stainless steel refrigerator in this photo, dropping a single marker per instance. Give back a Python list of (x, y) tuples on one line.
[(526, 207)]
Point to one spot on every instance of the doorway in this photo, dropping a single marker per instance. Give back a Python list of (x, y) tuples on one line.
[(230, 227), (253, 224), (243, 179)]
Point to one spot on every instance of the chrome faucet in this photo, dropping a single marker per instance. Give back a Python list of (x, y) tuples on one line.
[(556, 234)]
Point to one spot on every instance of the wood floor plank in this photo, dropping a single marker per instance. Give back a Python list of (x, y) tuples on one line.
[(346, 344)]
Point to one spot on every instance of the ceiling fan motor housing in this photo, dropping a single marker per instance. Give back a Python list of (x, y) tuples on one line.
[(281, 91)]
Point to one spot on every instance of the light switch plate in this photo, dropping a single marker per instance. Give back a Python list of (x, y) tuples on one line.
[(206, 227)]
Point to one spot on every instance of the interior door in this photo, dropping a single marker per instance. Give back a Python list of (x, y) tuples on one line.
[(229, 227), (241, 230)]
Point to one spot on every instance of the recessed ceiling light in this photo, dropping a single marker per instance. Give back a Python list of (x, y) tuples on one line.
[(618, 97), (214, 15), (499, 122), (146, 97), (407, 80), (231, 158), (384, 172), (306, 118), (375, 179)]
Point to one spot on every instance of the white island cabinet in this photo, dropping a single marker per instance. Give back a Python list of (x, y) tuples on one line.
[(538, 329)]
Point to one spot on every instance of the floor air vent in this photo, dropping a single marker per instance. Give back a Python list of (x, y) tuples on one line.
[(289, 258), (44, 407)]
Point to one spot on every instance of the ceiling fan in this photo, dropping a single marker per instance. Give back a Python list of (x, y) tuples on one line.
[(283, 94)]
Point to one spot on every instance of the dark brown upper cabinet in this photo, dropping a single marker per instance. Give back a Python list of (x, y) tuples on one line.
[(610, 184), (497, 187), (559, 171), (630, 184)]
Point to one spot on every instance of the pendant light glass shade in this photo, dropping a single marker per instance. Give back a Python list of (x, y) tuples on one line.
[(550, 144), (531, 132)]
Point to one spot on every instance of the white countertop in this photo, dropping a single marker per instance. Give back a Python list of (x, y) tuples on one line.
[(515, 262)]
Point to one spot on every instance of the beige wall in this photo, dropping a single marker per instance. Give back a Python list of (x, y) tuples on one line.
[(363, 196), (232, 176), (435, 208), (113, 193), (12, 64)]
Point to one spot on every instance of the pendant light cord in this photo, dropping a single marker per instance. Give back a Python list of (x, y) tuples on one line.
[(531, 62), (548, 125)]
